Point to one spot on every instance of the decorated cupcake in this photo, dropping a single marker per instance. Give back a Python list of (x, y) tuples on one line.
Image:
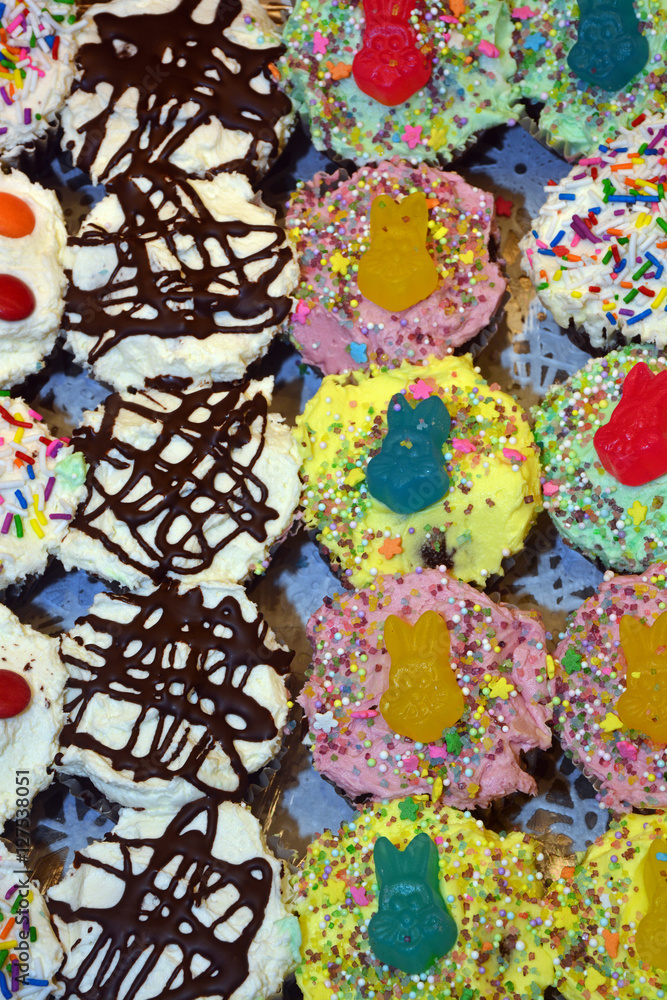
[(32, 679), (605, 458), (32, 280), (169, 86), (372, 80), (31, 952), (211, 276), (182, 903), (41, 484), (186, 481), (588, 69), (199, 709), (596, 252), (607, 925), (397, 263), (424, 686), (409, 894), (39, 45), (611, 690), (419, 466)]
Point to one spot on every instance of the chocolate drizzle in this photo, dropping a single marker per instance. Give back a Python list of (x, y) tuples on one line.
[(157, 910), (172, 61), (207, 274), (185, 655), (180, 509)]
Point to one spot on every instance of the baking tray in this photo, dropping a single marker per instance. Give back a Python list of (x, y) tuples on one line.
[(525, 356)]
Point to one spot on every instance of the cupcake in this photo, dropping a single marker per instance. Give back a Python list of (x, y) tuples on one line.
[(607, 915), (468, 676), (190, 703), (209, 288), (31, 952), (603, 457), (176, 87), (187, 481), (458, 57), (32, 280), (588, 70), (418, 466), (334, 326), (39, 45), (183, 904), (32, 679), (41, 484), (596, 251), (612, 704), (381, 900)]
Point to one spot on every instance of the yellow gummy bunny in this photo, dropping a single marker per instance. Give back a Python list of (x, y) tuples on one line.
[(396, 271), (651, 935), (423, 697), (643, 704)]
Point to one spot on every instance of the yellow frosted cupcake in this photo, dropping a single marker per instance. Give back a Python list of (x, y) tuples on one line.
[(421, 466), (412, 901), (609, 920)]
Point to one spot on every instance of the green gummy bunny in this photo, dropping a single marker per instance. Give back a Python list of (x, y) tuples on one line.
[(413, 927), (610, 49)]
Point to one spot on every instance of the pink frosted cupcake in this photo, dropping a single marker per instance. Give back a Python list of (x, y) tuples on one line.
[(469, 677), (611, 682), (334, 326)]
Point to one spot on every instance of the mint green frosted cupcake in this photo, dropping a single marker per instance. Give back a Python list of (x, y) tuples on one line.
[(467, 91)]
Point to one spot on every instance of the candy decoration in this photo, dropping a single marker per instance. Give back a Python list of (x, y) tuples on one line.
[(423, 698), (17, 219), (643, 704), (397, 270), (17, 301), (412, 927), (390, 67), (31, 45), (408, 474), (651, 935), (610, 49), (633, 445), (15, 694)]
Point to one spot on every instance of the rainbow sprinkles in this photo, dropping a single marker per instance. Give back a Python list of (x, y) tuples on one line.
[(37, 47), (597, 254)]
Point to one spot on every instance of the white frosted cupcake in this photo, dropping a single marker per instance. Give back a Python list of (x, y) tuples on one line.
[(39, 45), (32, 280), (32, 679), (192, 897), (29, 970), (205, 715)]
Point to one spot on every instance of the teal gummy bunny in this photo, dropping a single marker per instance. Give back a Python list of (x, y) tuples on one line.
[(413, 927), (610, 49), (408, 473)]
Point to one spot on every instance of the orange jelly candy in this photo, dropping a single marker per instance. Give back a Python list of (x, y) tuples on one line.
[(396, 271), (17, 219), (423, 697), (643, 704), (651, 935)]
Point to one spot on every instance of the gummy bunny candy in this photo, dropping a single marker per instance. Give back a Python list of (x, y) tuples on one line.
[(390, 67), (397, 271), (643, 704), (610, 49), (633, 445), (423, 697), (408, 474), (413, 927)]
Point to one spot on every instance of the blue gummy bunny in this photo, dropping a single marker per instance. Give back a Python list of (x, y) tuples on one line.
[(610, 49), (408, 473), (413, 927)]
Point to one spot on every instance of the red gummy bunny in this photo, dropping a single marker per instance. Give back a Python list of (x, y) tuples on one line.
[(633, 445), (389, 67)]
